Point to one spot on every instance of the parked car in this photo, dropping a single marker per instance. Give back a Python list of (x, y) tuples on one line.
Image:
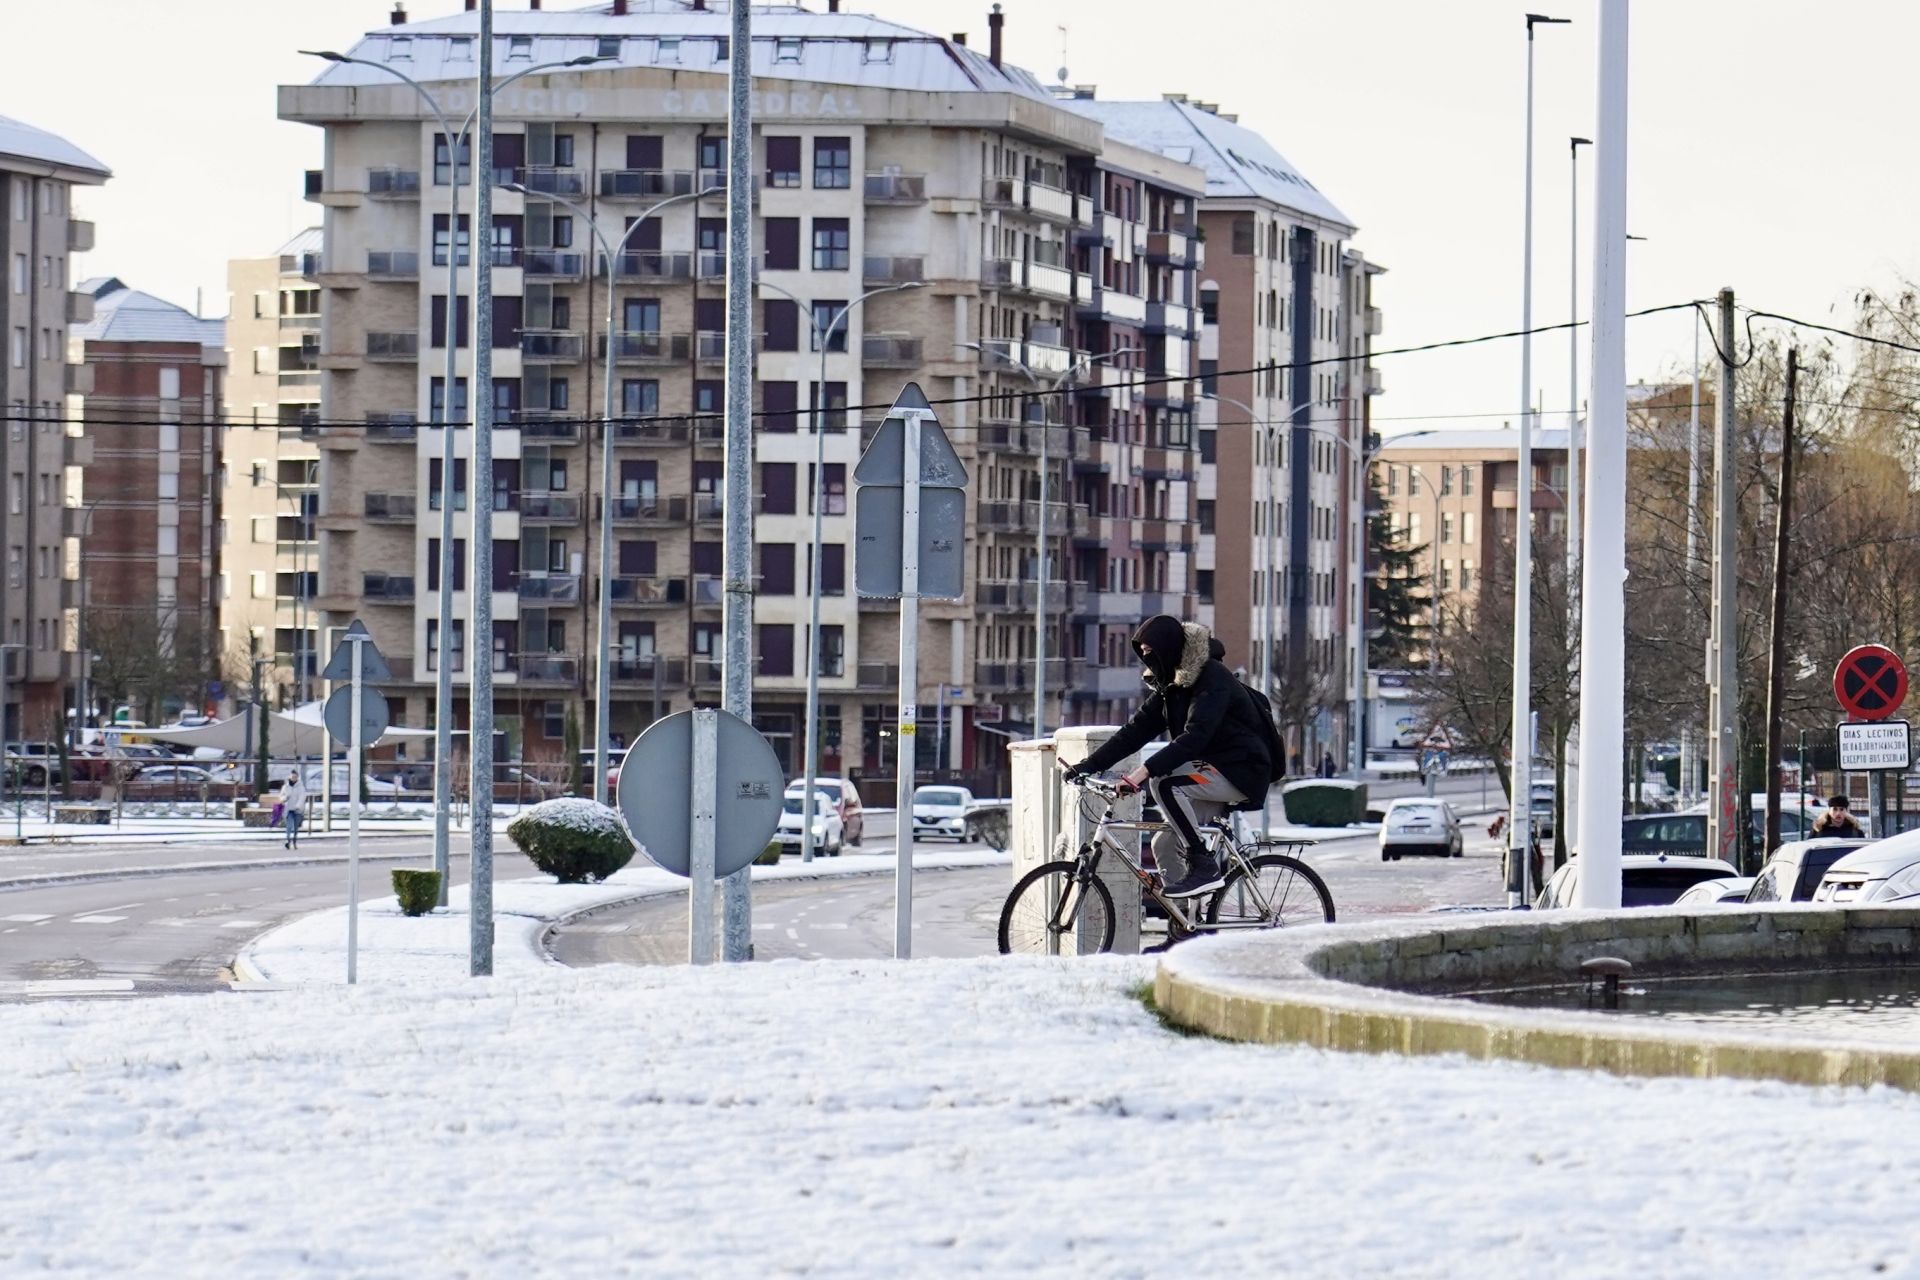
[(1420, 825), (1686, 833), (1796, 868), (177, 773), (1646, 879), (381, 788), (941, 811), (33, 764), (1714, 893), (845, 798), (828, 834), (1885, 871)]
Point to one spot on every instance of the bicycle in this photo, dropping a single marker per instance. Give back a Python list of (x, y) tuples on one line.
[(1066, 899)]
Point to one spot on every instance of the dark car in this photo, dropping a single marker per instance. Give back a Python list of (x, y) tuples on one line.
[(1686, 833)]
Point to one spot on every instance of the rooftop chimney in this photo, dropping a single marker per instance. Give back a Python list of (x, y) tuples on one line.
[(833, 6), (535, 4), (398, 18), (994, 22), (472, 5), (960, 38), (619, 8)]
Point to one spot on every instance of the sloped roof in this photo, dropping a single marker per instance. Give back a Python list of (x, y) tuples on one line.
[(1239, 163), (834, 48), (1473, 440), (121, 314), (312, 240), (23, 142)]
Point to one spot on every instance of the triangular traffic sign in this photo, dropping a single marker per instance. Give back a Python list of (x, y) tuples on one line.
[(373, 666), (885, 460)]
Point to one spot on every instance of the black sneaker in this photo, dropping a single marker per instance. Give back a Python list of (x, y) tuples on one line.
[(1201, 877)]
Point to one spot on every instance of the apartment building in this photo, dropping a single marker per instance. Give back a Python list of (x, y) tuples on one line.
[(1287, 319), (38, 232), (883, 156), (270, 485), (148, 529)]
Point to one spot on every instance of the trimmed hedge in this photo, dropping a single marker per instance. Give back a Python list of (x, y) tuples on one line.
[(418, 891), (1324, 804), (572, 840), (769, 856)]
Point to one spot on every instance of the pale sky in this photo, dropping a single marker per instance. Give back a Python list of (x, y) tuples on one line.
[(1768, 144)]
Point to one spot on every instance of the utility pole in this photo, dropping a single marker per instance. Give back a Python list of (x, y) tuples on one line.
[(736, 673), (1603, 608), (480, 503), (1777, 635), (1723, 676), (1689, 766)]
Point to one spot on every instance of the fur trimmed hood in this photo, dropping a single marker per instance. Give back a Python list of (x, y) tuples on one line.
[(1197, 645)]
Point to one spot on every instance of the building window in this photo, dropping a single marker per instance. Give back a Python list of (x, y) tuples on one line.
[(1446, 526), (777, 496), (786, 50), (1466, 481), (459, 48), (437, 398), (780, 317), (169, 383), (832, 163), (668, 49), (608, 47), (19, 273), (400, 48), (1466, 528), (170, 485), (824, 314), (833, 569), (783, 162), (831, 244), (1209, 377), (878, 51), (1243, 237), (519, 48), (783, 244), (639, 396), (1446, 575), (1466, 575), (19, 348), (776, 568), (442, 160), (167, 540), (1446, 481), (456, 643)]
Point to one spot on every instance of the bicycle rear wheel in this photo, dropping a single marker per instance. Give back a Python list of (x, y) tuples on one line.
[(1281, 891), (1053, 911)]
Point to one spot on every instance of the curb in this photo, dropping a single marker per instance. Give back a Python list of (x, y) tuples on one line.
[(189, 868)]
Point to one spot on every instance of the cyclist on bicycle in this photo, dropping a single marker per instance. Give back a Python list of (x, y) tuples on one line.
[(1218, 755)]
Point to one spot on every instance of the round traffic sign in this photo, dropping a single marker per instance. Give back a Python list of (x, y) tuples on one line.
[(657, 785), (375, 716), (1870, 682)]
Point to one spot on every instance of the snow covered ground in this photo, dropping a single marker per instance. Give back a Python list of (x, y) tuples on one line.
[(1002, 1117)]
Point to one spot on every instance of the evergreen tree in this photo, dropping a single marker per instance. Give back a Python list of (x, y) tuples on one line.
[(1396, 599)]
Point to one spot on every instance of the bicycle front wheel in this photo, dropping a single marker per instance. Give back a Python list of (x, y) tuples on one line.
[(1271, 891), (1053, 911)]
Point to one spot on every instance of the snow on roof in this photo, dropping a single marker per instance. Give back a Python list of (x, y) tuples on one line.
[(121, 314), (833, 48), (1238, 162), (312, 240), (22, 141)]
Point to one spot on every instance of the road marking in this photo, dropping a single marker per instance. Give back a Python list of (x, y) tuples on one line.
[(25, 917), (97, 919), (125, 906), (173, 922), (793, 936), (245, 924), (66, 986)]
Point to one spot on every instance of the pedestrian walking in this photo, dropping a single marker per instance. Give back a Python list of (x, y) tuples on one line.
[(293, 805), (1327, 767)]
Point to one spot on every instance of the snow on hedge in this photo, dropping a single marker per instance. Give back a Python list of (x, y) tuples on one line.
[(589, 817)]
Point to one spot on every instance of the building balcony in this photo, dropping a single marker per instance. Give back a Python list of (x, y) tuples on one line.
[(1169, 317), (557, 426), (390, 428), (1162, 535), (712, 184), (1051, 203), (649, 509), (1061, 595), (1040, 357), (990, 678), (1000, 193), (552, 264), (630, 667), (389, 508), (706, 590), (1025, 439), (555, 588), (79, 308), (549, 508), (890, 351), (548, 181), (1018, 276), (708, 506), (393, 346), (387, 588), (1176, 248), (881, 270), (1020, 517), (79, 235), (1372, 322), (645, 184), (1374, 385), (888, 187), (551, 346), (653, 265), (1117, 307), (393, 264), (390, 182), (649, 346), (639, 592), (541, 668), (653, 431), (877, 675)]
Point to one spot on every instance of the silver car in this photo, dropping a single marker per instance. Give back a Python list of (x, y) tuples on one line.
[(1419, 825)]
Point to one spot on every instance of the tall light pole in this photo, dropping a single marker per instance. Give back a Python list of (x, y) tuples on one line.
[(1053, 389), (603, 660), (1574, 527), (1520, 824), (821, 339), (443, 684)]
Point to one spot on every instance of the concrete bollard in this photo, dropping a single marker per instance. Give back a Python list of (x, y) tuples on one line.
[(1074, 828)]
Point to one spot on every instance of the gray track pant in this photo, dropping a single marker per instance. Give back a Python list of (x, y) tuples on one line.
[(1191, 795)]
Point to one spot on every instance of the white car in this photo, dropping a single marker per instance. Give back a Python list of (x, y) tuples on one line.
[(1795, 870), (828, 834), (845, 798), (941, 811), (1886, 871), (1714, 893), (179, 774), (1646, 879), (386, 788), (1417, 825)]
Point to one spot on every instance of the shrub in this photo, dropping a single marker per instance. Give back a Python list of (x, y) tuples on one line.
[(418, 891), (769, 856), (1324, 804), (572, 840)]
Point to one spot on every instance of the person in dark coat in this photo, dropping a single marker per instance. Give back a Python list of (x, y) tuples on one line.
[(1327, 766), (1837, 821), (1216, 757)]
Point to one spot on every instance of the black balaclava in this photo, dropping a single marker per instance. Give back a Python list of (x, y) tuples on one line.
[(1160, 641)]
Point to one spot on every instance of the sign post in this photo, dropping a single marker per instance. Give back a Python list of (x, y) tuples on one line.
[(1870, 684), (359, 715), (909, 535)]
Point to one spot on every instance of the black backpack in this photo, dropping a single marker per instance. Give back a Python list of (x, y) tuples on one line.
[(1276, 749)]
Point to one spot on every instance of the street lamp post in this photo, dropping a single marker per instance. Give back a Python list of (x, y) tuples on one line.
[(603, 660), (443, 684), (821, 339), (1046, 464)]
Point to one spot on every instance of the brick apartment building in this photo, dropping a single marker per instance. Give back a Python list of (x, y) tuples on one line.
[(38, 233)]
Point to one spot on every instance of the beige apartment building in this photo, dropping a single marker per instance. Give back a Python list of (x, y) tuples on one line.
[(1288, 321), (883, 155), (40, 451), (270, 480)]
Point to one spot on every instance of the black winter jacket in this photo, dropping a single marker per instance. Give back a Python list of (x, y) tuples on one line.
[(1205, 714)]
